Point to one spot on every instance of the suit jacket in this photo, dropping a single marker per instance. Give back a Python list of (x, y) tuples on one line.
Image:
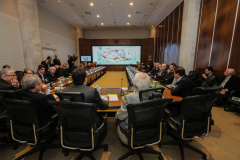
[(148, 69), (63, 72), (183, 88), (46, 80), (47, 65), (168, 78), (163, 74), (56, 62), (51, 77), (41, 102), (232, 84), (210, 81), (91, 96), (122, 114)]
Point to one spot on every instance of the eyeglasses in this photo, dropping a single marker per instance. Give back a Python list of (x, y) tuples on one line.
[(11, 75)]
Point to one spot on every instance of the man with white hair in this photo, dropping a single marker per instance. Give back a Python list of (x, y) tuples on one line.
[(8, 79), (51, 75), (142, 81)]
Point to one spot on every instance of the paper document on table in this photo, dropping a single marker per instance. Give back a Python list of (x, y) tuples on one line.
[(112, 97)]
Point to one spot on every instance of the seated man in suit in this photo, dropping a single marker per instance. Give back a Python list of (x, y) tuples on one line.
[(154, 70), (56, 61), (209, 78), (91, 95), (162, 72), (142, 81), (32, 85), (168, 78), (148, 68), (8, 81), (41, 74), (183, 88), (51, 74), (231, 82), (62, 72)]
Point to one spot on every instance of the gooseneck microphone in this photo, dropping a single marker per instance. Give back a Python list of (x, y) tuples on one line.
[(121, 93)]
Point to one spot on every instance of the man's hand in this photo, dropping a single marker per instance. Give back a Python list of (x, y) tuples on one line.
[(107, 97), (224, 91), (204, 76), (44, 88), (15, 83)]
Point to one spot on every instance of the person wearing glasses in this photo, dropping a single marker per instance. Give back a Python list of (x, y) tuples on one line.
[(8, 79)]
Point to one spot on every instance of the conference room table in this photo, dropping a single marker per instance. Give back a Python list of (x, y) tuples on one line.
[(113, 105)]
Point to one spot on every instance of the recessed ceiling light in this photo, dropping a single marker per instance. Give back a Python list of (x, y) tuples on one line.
[(75, 17), (58, 1), (128, 24), (152, 26), (131, 4), (102, 24), (129, 15), (111, 4), (91, 4), (98, 15)]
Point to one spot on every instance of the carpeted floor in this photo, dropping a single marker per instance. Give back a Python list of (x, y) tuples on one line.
[(112, 79), (223, 143)]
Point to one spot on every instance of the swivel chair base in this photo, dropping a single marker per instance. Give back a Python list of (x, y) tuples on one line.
[(40, 147), (87, 153), (181, 143), (139, 153)]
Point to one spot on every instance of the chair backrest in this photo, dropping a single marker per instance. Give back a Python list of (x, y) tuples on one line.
[(156, 93), (193, 75), (77, 122), (145, 122), (70, 96), (219, 78), (23, 121), (195, 116), (207, 90)]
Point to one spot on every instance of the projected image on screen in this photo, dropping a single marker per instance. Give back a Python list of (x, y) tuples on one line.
[(116, 55)]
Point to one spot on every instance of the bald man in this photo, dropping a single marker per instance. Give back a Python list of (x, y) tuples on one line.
[(142, 81), (231, 82)]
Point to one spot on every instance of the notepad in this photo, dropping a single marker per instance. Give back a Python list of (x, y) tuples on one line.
[(112, 97)]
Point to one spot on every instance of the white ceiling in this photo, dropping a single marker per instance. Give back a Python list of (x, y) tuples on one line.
[(113, 13)]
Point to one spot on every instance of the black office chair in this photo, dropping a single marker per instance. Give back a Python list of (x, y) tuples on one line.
[(194, 121), (144, 126), (193, 75), (156, 93), (78, 131), (219, 78), (25, 127), (207, 90), (70, 96)]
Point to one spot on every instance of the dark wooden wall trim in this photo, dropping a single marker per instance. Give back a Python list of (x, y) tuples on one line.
[(168, 36), (216, 44), (85, 48)]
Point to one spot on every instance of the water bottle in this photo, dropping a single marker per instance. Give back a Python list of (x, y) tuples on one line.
[(63, 80), (153, 86)]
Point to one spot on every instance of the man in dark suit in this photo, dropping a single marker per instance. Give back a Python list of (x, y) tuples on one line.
[(162, 72), (41, 74), (56, 61), (91, 95), (32, 85), (148, 68), (231, 82), (183, 87), (8, 81), (62, 72), (209, 78), (51, 74), (47, 63), (170, 75)]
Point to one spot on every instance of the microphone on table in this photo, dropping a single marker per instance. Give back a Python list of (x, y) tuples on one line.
[(121, 93)]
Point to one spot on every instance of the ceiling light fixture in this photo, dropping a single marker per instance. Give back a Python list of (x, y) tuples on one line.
[(102, 24), (75, 17), (131, 4), (111, 4), (91, 4), (58, 1), (128, 24), (129, 15), (98, 15)]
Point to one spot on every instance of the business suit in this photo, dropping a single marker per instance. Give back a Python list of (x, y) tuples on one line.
[(168, 78), (91, 96), (41, 102), (63, 72), (184, 87), (162, 73), (154, 71), (51, 77), (47, 65), (56, 62), (210, 81), (122, 114), (232, 84), (44, 78)]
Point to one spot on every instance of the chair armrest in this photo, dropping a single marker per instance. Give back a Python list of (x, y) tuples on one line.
[(44, 128), (234, 93)]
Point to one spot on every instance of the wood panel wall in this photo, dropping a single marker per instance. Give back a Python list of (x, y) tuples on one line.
[(218, 43), (85, 48), (168, 37)]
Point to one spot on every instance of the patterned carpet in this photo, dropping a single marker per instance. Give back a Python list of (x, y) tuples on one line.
[(112, 79)]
